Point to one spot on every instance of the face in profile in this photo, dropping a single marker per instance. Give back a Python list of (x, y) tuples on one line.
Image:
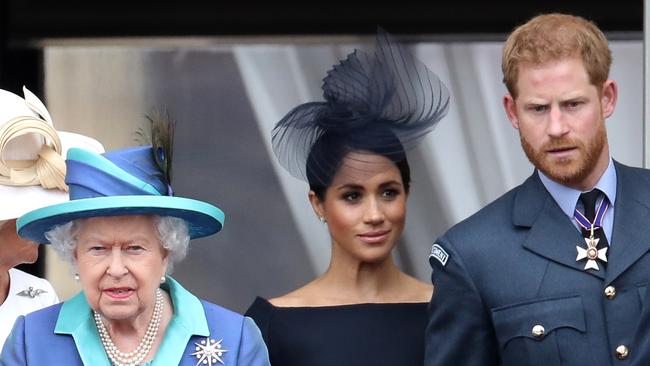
[(14, 249), (364, 207), (120, 261), (560, 116)]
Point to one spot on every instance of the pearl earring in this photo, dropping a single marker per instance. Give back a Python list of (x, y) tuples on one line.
[(321, 218), (76, 277), (163, 280)]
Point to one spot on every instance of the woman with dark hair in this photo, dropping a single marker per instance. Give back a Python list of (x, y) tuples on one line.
[(351, 149)]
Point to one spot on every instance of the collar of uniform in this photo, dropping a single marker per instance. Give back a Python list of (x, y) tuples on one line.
[(76, 320), (567, 197)]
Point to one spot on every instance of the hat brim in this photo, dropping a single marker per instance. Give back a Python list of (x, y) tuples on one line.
[(18, 200), (202, 218)]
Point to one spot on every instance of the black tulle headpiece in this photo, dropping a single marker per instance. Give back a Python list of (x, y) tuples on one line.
[(383, 102)]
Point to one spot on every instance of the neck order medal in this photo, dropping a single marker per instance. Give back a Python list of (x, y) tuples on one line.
[(592, 253)]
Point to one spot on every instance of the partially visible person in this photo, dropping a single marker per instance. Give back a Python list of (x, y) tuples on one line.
[(122, 231), (32, 171), (351, 149), (554, 271)]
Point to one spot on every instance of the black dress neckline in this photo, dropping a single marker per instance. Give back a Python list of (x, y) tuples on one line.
[(340, 306), (365, 334)]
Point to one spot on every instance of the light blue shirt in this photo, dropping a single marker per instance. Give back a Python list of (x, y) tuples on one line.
[(567, 197)]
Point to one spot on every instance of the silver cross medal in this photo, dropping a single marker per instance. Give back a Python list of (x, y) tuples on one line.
[(591, 253)]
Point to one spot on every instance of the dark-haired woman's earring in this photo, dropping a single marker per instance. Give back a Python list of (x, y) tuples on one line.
[(163, 280), (76, 277), (321, 218)]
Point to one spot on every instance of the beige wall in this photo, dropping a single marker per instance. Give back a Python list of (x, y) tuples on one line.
[(75, 79)]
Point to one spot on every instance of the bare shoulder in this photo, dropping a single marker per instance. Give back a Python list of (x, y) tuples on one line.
[(301, 297), (416, 290)]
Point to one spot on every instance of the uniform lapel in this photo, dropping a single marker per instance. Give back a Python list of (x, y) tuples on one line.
[(551, 233), (630, 240)]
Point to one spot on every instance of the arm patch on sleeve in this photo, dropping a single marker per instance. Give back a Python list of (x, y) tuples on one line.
[(440, 254)]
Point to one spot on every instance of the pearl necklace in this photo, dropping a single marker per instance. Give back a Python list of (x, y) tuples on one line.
[(135, 357)]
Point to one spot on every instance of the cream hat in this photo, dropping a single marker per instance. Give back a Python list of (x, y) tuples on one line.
[(32, 155)]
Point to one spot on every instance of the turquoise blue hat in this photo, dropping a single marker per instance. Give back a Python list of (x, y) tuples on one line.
[(117, 183)]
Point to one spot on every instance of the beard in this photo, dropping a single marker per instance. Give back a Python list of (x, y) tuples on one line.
[(568, 171)]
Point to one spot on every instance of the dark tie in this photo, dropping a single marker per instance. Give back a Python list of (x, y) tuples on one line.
[(589, 202)]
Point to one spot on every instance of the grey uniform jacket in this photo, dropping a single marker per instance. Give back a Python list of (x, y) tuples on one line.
[(508, 289)]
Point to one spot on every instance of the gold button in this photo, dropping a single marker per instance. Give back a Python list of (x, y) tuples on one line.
[(610, 292), (538, 331), (622, 352)]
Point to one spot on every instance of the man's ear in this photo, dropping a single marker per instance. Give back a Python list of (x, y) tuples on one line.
[(608, 98), (511, 110)]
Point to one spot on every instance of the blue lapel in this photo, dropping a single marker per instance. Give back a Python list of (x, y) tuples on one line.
[(630, 239), (76, 320), (551, 234), (188, 321)]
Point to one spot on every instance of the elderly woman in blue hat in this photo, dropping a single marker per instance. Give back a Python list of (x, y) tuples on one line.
[(32, 171), (122, 231)]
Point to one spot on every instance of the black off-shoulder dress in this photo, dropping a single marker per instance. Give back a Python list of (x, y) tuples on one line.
[(343, 335)]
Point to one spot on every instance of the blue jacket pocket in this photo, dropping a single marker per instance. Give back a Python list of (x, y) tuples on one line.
[(527, 331)]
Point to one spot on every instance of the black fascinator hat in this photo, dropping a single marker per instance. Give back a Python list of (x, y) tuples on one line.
[(383, 103)]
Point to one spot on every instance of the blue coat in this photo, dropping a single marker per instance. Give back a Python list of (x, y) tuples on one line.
[(65, 334), (512, 266)]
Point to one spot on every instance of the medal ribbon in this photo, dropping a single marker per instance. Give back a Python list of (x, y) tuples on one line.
[(598, 219)]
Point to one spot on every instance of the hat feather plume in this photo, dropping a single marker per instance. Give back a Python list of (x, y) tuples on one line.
[(161, 138)]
